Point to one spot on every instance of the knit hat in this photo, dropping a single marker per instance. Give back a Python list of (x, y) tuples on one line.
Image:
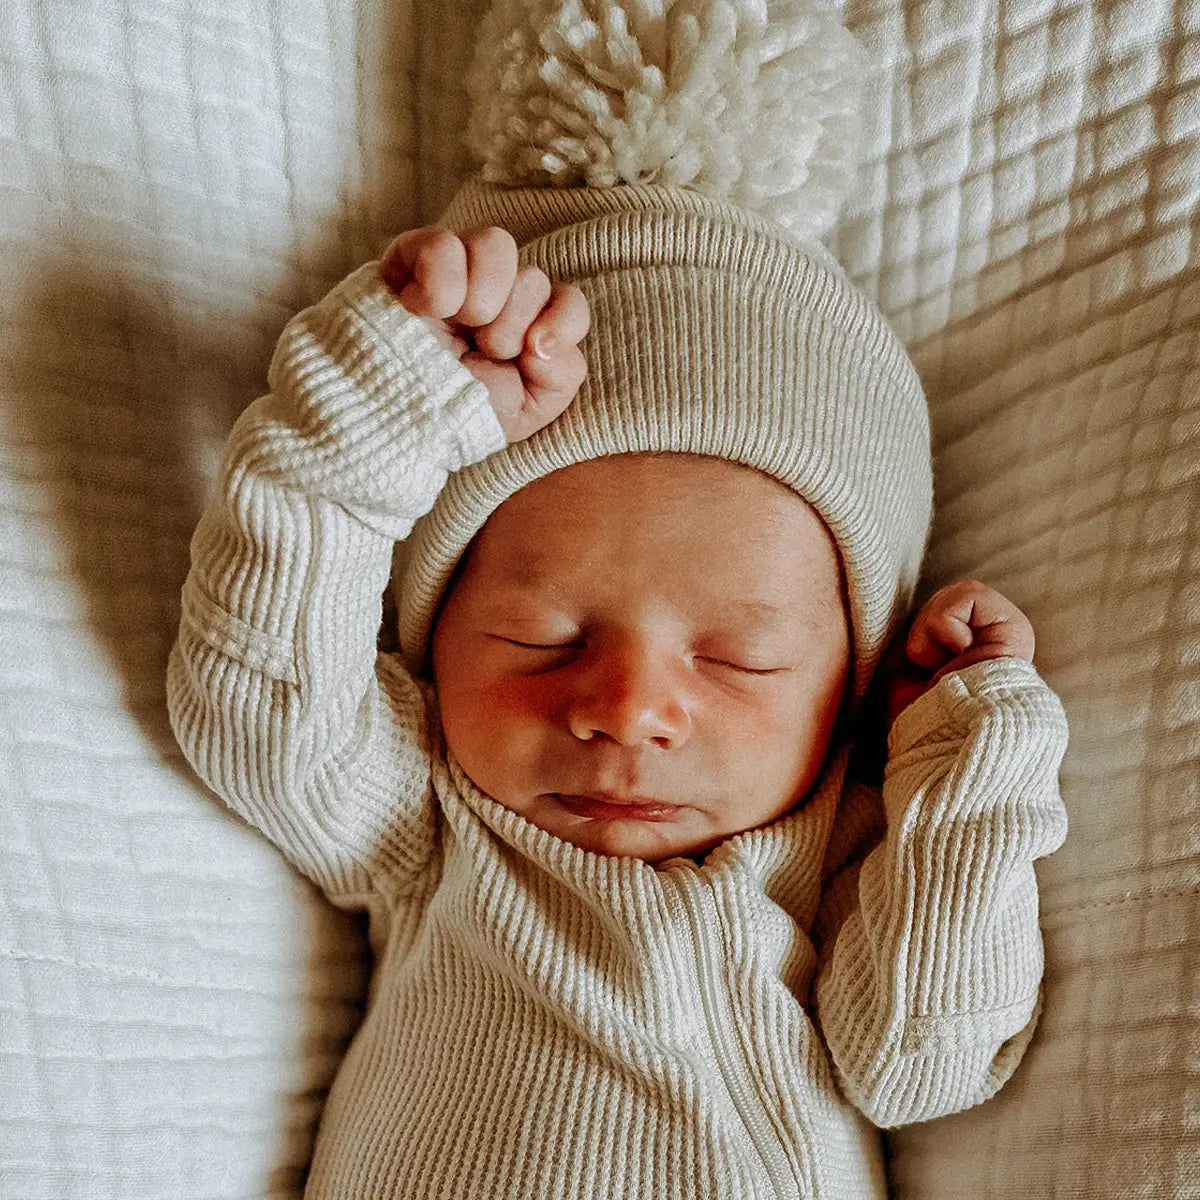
[(677, 163)]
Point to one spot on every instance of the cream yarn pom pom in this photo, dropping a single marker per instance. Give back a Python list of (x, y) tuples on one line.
[(749, 101)]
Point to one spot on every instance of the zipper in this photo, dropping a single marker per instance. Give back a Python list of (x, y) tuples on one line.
[(731, 1062)]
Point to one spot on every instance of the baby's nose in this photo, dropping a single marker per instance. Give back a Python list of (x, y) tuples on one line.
[(631, 695)]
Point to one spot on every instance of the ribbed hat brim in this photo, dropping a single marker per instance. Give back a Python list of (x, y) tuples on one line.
[(710, 334)]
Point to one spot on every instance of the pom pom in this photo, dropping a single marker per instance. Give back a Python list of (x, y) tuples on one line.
[(750, 101)]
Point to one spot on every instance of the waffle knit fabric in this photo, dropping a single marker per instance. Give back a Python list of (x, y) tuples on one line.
[(712, 332), (544, 1021)]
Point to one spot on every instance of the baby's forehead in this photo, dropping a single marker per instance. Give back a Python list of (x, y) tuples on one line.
[(743, 590), (725, 532)]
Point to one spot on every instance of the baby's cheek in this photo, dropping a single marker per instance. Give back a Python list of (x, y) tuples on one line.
[(510, 715), (766, 723), (499, 728), (783, 744)]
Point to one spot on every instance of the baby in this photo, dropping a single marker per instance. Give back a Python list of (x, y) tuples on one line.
[(653, 482), (679, 602), (637, 931)]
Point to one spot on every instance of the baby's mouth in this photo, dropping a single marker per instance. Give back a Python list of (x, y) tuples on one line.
[(600, 806)]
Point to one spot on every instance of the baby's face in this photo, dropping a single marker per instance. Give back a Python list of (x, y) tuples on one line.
[(645, 654)]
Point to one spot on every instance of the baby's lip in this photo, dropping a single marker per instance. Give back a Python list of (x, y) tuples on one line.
[(618, 798), (608, 805)]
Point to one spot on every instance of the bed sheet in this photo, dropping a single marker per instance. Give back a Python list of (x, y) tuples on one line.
[(176, 179)]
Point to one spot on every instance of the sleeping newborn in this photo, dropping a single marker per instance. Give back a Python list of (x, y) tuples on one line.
[(638, 928), (644, 655)]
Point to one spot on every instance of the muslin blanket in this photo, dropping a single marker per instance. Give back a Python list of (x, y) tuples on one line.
[(177, 178)]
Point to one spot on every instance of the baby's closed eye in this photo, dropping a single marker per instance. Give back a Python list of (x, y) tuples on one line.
[(560, 644), (536, 631), (745, 668), (536, 642)]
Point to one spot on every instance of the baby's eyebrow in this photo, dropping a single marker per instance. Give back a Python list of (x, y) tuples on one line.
[(744, 618), (533, 578), (761, 607), (767, 616), (520, 580), (527, 576)]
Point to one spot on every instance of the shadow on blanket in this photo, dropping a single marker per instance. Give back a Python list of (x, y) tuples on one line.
[(126, 459), (133, 349)]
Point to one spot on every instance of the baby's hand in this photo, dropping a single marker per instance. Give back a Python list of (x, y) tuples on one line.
[(964, 623), (508, 325)]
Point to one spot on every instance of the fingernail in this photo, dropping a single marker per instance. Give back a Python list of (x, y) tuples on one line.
[(542, 345)]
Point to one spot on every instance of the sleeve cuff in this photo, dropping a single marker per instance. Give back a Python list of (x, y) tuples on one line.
[(467, 420), (941, 709)]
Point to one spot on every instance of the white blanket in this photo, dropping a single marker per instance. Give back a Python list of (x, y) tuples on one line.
[(177, 178)]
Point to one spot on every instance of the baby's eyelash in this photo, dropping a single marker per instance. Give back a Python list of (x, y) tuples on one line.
[(536, 645), (721, 662), (576, 643)]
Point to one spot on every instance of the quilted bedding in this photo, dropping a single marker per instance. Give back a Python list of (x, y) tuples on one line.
[(177, 178)]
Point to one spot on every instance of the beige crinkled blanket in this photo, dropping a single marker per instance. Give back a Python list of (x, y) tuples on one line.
[(178, 179)]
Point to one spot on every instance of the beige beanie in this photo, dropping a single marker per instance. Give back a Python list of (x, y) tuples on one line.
[(719, 325)]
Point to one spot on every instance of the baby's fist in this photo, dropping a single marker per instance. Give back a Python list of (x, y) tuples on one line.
[(507, 324), (962, 624)]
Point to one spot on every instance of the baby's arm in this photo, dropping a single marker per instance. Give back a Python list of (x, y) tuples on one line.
[(276, 692), (932, 988)]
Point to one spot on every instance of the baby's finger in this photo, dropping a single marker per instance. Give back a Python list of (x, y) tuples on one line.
[(562, 323), (560, 374), (426, 268), (965, 623), (996, 623), (505, 336), (491, 271), (547, 386), (936, 637)]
